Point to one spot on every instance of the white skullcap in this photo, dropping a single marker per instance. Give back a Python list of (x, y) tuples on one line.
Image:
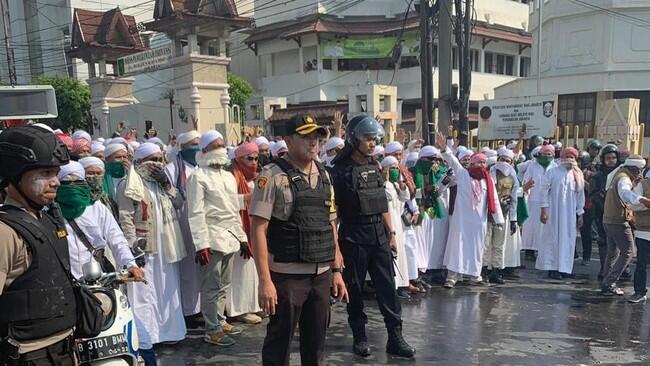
[(108, 141), (89, 161), (145, 150), (231, 152), (333, 143), (43, 126), (113, 148), (412, 156), (536, 150), (492, 160), (188, 136), (485, 149), (156, 140), (209, 137), (462, 154), (81, 134), (504, 151), (119, 140), (100, 140), (262, 141), (134, 145), (639, 163), (388, 161), (96, 147), (72, 168), (490, 153), (428, 152), (379, 150), (393, 147), (278, 147)]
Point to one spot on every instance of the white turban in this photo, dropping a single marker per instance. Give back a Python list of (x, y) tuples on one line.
[(89, 161), (490, 153), (333, 143), (209, 137), (134, 145), (503, 151), (389, 161), (81, 134), (145, 150), (638, 163), (156, 140), (379, 150), (462, 154), (188, 136), (72, 168), (278, 147), (485, 149), (557, 145), (536, 150), (96, 147), (262, 141), (393, 147), (428, 152), (100, 140), (119, 140), (113, 148), (412, 156), (231, 152)]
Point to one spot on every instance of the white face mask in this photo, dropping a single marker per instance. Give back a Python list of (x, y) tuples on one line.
[(217, 156)]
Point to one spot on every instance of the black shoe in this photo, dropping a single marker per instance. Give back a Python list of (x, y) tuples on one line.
[(361, 348), (396, 344), (554, 275), (510, 274), (403, 294), (612, 290), (425, 283), (496, 277), (637, 298)]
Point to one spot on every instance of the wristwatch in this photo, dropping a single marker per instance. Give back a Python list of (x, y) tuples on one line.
[(392, 233), (337, 270)]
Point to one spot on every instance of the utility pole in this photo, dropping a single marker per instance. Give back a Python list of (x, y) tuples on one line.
[(463, 39), (539, 46), (444, 65), (10, 53), (425, 70)]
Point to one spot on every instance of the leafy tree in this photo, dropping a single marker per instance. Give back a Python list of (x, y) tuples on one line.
[(240, 90), (72, 100)]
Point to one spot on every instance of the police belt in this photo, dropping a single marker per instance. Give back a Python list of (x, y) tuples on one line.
[(362, 220), (60, 348)]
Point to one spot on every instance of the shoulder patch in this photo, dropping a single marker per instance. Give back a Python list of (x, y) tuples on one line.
[(262, 181)]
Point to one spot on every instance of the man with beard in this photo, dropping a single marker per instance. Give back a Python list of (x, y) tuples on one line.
[(608, 162), (476, 201), (562, 206), (263, 147)]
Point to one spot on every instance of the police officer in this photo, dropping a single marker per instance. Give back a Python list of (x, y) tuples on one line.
[(295, 246), (37, 303), (367, 239)]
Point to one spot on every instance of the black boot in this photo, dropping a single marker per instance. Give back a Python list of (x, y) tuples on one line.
[(497, 277), (396, 344), (360, 347)]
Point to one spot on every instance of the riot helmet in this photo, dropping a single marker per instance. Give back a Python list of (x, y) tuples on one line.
[(362, 126), (535, 141)]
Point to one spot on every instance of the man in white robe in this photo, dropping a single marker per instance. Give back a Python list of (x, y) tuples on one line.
[(562, 206), (476, 201)]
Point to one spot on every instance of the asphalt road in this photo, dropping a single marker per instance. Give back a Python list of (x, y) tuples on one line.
[(531, 321)]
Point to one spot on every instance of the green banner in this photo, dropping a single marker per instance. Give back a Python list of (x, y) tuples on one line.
[(359, 48)]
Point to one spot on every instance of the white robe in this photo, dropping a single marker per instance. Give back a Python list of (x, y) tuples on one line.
[(411, 244), (511, 243), (396, 200), (563, 203), (157, 304), (439, 232), (531, 232), (512, 249), (468, 225), (243, 291)]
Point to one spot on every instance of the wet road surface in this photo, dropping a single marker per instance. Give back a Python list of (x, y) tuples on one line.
[(531, 321)]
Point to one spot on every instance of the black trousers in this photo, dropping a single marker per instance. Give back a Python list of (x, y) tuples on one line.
[(303, 300), (586, 233), (640, 274), (378, 261), (58, 354), (602, 239)]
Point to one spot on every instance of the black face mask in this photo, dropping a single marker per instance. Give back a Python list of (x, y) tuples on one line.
[(263, 159)]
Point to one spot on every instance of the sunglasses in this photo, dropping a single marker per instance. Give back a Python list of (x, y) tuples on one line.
[(252, 158)]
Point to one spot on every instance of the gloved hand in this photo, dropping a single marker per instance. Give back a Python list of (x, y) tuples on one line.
[(505, 201), (513, 227), (245, 250), (203, 257)]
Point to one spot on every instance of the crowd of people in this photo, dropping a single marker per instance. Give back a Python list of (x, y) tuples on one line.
[(409, 216)]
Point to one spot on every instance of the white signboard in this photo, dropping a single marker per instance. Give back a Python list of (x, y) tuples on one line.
[(501, 119), (148, 60)]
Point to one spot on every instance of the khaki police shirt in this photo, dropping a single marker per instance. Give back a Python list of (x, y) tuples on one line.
[(14, 261), (272, 197)]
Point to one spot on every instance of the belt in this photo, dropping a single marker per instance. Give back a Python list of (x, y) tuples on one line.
[(363, 220), (62, 347)]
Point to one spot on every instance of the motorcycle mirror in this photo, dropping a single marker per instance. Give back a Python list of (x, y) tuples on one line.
[(92, 271)]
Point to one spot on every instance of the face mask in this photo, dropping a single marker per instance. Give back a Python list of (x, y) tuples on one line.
[(393, 174), (567, 164), (73, 197), (217, 157), (424, 164), (263, 159), (115, 169), (96, 185), (544, 160), (502, 166), (150, 170), (189, 154)]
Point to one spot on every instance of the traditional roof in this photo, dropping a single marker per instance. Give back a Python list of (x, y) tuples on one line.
[(322, 112), (109, 33), (168, 13), (327, 24)]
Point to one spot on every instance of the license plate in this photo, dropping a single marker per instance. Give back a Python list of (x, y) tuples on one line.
[(102, 347)]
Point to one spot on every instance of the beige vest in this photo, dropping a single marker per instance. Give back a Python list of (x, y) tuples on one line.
[(643, 217), (616, 211)]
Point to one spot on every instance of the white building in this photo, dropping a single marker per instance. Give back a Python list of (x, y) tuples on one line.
[(592, 51), (294, 51)]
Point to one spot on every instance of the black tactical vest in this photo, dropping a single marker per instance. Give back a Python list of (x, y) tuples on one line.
[(307, 236), (361, 193), (41, 301)]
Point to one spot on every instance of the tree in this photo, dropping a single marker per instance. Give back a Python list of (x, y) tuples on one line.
[(72, 100), (240, 90)]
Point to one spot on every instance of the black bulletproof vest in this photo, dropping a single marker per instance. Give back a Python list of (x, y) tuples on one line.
[(307, 236), (41, 301), (361, 194)]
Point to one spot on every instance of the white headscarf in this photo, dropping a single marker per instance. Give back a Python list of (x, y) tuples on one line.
[(72, 168), (389, 161), (188, 136), (393, 147), (91, 161), (113, 148), (145, 150), (209, 137), (262, 141)]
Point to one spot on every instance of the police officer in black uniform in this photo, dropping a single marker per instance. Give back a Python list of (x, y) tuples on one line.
[(366, 237), (37, 303)]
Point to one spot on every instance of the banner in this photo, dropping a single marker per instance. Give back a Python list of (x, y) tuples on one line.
[(502, 119), (148, 60), (361, 48)]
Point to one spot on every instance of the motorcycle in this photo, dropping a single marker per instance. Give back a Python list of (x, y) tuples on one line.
[(117, 344)]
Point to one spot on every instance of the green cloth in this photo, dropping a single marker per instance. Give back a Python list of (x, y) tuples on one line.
[(73, 198), (544, 160), (424, 176), (115, 169), (522, 211)]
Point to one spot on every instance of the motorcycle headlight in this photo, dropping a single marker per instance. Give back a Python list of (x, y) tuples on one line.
[(109, 306)]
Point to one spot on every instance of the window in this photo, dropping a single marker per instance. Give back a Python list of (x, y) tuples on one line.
[(524, 66), (577, 109), (474, 59), (499, 64), (327, 64)]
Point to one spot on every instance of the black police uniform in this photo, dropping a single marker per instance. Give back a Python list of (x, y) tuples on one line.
[(365, 242)]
